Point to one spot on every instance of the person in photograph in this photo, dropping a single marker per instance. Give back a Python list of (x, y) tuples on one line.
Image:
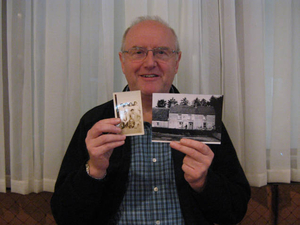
[(108, 178), (135, 115), (123, 110)]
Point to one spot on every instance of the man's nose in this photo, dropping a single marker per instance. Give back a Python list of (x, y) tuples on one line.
[(150, 60)]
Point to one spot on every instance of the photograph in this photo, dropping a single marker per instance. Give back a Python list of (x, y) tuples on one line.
[(128, 107), (197, 117)]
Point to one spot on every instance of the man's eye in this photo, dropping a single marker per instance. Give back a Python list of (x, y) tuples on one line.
[(139, 52), (161, 52)]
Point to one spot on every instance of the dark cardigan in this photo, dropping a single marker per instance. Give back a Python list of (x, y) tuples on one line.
[(80, 199)]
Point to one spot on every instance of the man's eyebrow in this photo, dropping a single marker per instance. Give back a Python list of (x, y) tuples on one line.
[(136, 46), (163, 47)]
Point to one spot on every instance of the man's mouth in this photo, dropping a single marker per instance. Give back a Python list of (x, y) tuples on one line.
[(149, 75)]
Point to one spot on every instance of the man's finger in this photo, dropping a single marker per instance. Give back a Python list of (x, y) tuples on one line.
[(105, 126), (197, 145)]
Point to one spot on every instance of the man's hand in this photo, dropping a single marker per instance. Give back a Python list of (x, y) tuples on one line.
[(100, 141), (196, 162)]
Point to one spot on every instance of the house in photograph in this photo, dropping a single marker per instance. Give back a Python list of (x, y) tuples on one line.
[(185, 117), (192, 118)]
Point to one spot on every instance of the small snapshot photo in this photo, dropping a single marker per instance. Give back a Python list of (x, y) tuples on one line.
[(197, 117), (128, 107)]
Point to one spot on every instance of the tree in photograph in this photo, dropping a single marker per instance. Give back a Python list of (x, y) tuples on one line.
[(161, 103), (172, 102), (196, 102), (184, 101), (204, 103)]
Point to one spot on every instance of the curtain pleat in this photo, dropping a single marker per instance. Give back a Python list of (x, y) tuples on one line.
[(231, 78), (295, 115), (2, 134), (250, 29), (280, 168)]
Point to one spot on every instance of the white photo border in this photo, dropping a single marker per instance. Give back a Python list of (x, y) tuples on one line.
[(193, 116), (128, 107)]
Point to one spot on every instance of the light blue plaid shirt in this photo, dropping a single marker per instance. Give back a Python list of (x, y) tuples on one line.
[(151, 197)]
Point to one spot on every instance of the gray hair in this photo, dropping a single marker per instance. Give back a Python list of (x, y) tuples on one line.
[(150, 18)]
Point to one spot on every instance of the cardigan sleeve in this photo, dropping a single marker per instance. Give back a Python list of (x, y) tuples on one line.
[(76, 194), (227, 192), (79, 198)]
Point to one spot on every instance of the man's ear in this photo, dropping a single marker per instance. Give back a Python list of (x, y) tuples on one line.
[(121, 58), (177, 61)]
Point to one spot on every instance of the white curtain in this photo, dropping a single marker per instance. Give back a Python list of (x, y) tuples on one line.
[(60, 64), (62, 60)]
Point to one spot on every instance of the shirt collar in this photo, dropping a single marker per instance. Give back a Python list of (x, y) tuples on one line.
[(173, 89)]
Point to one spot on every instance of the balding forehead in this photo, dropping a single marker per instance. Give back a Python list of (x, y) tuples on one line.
[(150, 23)]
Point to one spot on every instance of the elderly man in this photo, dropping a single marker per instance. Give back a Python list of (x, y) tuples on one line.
[(107, 178)]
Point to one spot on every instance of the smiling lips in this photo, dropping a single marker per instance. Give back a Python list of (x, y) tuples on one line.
[(149, 75)]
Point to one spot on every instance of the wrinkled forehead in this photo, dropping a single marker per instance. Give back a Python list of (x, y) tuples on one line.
[(150, 34)]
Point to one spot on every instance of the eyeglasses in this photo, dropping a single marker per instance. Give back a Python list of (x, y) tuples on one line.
[(139, 53)]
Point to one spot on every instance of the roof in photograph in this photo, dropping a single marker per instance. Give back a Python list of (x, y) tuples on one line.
[(201, 110)]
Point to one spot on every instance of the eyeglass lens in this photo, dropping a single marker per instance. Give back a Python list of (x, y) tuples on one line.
[(158, 53)]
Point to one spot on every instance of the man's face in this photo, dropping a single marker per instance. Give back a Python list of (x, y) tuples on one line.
[(150, 75)]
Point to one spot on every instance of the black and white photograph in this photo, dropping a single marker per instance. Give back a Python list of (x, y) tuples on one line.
[(197, 117), (128, 107)]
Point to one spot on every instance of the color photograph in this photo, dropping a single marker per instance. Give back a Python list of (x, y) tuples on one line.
[(128, 107)]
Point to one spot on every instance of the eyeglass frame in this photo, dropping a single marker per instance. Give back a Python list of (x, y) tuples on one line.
[(147, 50)]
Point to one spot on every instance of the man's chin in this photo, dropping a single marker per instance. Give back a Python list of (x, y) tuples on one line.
[(149, 89), (154, 90)]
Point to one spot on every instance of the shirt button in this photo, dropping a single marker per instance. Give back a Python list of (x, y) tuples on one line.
[(154, 160), (155, 189), (157, 222)]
